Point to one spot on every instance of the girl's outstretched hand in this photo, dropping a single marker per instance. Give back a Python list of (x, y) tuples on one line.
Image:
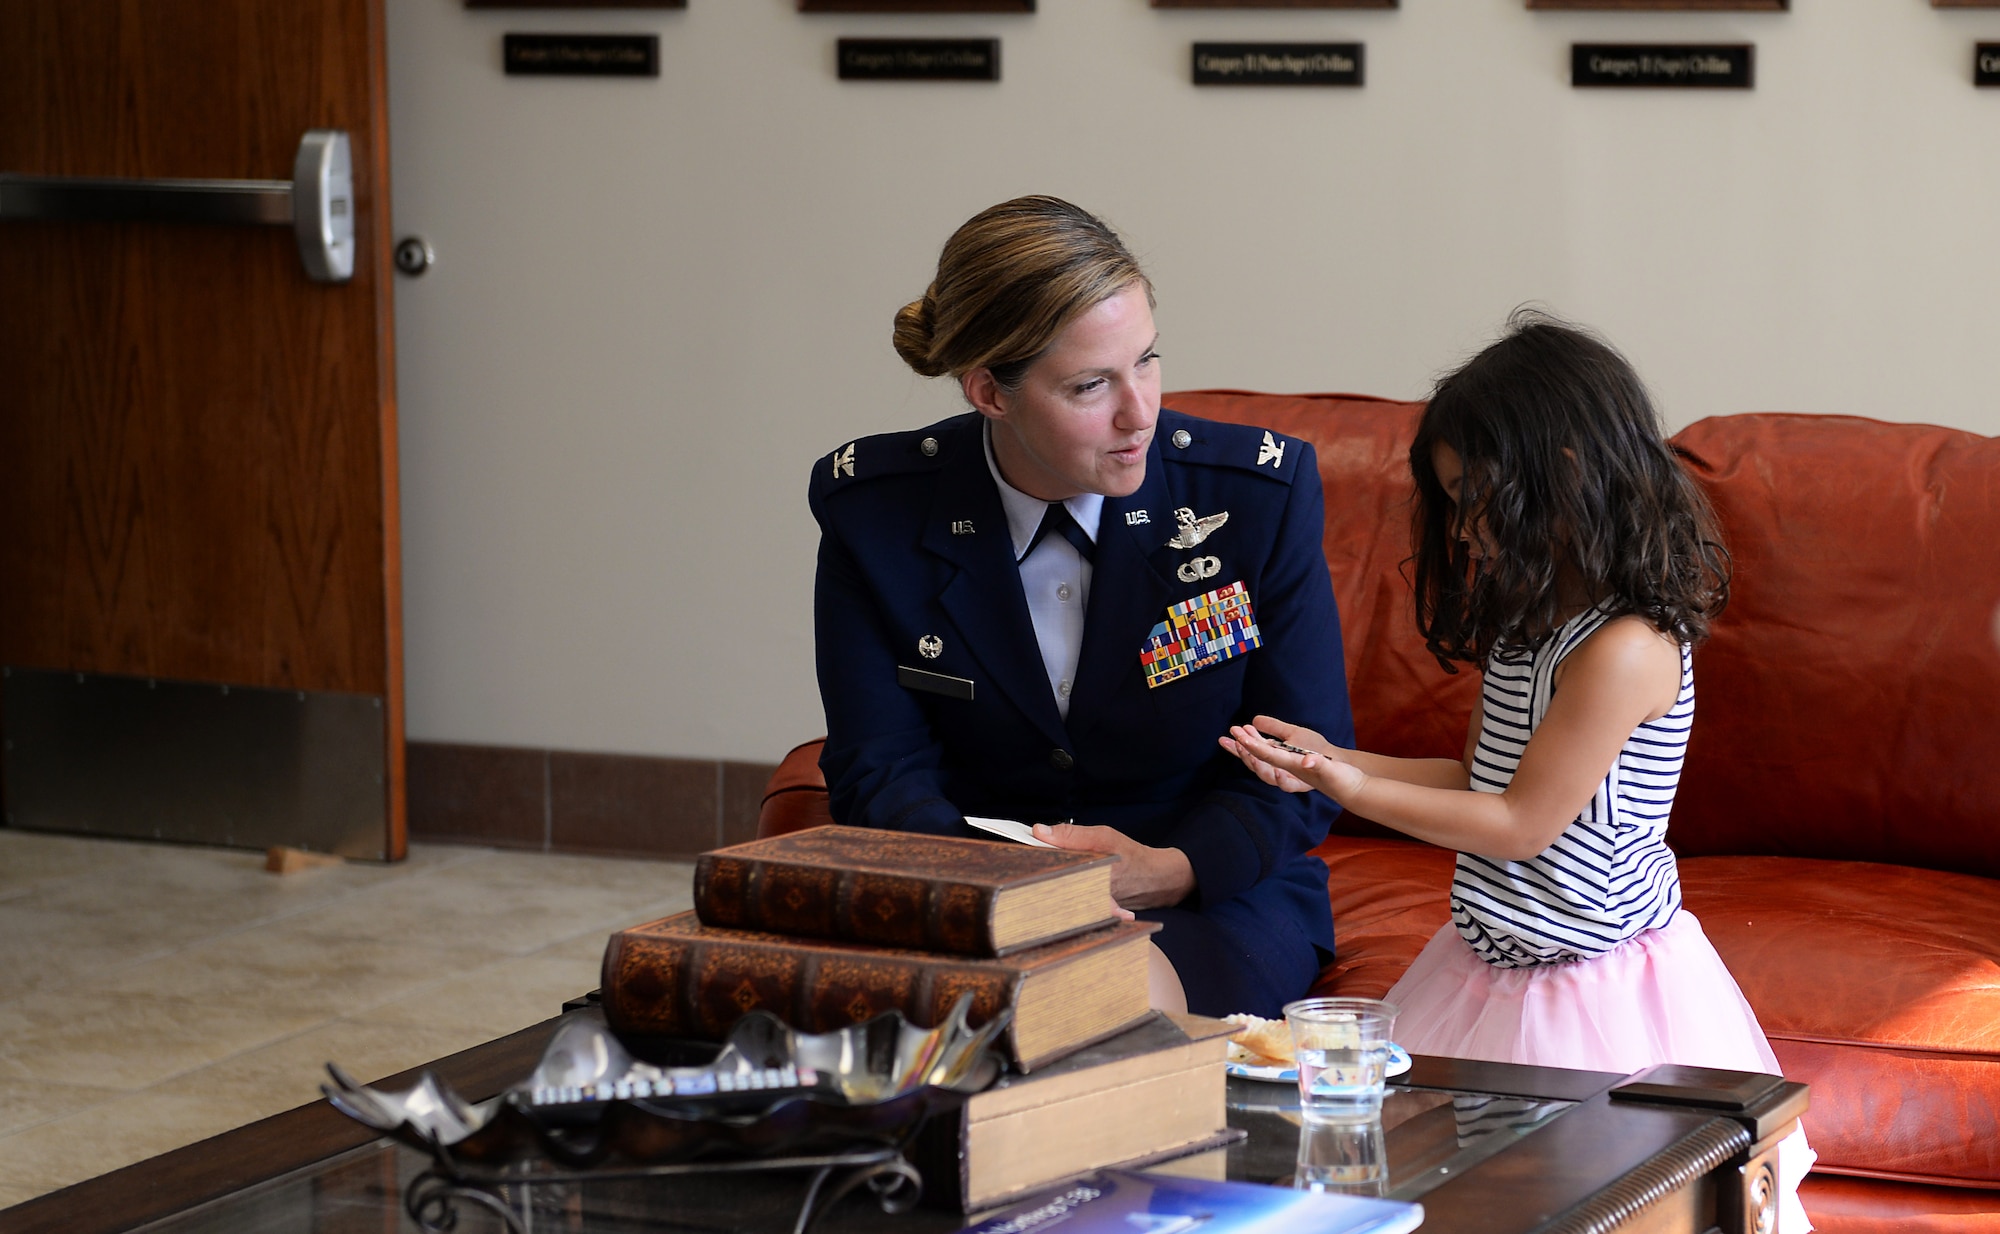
[(1275, 776), (1310, 762)]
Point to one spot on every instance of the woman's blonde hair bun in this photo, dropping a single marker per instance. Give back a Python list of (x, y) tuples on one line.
[(1007, 284), (915, 322)]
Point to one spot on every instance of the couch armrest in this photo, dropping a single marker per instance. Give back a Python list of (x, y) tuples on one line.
[(795, 799)]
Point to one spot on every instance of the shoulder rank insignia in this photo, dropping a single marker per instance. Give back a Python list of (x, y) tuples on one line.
[(1194, 530), (1272, 452)]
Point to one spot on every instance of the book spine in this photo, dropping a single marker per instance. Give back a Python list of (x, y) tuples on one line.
[(859, 906), (699, 987)]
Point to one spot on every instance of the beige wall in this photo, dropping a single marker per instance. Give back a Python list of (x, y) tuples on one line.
[(657, 301)]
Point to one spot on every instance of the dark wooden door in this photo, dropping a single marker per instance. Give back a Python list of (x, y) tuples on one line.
[(199, 592)]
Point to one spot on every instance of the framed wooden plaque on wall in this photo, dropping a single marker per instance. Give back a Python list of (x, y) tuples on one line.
[(576, 4), (1275, 4), (1710, 6), (916, 6)]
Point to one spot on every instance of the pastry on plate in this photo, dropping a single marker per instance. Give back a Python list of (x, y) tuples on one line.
[(1258, 1042)]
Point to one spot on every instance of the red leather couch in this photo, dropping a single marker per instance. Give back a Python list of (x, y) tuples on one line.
[(1838, 821)]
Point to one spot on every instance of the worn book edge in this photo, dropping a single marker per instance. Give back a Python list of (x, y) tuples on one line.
[(1221, 1139)]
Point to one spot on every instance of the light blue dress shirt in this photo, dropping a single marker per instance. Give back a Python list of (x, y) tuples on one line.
[(1055, 577)]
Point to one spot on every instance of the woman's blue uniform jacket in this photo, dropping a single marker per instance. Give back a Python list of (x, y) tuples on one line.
[(915, 557)]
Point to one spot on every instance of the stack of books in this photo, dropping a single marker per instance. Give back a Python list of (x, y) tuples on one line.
[(836, 925)]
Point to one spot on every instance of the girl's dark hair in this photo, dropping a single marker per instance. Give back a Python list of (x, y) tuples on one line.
[(1565, 468)]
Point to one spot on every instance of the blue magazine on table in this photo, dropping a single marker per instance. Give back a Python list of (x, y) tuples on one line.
[(1117, 1202)]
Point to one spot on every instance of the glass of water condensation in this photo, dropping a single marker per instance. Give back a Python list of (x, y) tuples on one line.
[(1342, 1045), (1348, 1158)]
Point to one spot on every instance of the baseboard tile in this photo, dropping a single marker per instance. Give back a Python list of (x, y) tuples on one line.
[(571, 801)]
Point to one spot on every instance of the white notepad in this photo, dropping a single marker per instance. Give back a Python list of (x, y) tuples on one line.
[(1008, 829)]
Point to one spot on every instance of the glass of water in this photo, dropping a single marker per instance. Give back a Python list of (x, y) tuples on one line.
[(1342, 1045)]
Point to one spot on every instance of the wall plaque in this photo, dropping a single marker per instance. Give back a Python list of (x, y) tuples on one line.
[(1708, 6), (1986, 65), (1278, 4), (1700, 66), (582, 55), (576, 4), (919, 59), (916, 6), (1278, 64)]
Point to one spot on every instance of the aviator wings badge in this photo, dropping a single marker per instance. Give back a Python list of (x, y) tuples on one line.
[(1194, 530)]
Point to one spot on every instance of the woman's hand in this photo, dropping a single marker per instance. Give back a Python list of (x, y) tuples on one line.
[(1321, 766), (1143, 878)]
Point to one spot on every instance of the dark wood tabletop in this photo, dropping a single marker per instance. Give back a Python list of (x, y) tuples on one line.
[(1678, 1150)]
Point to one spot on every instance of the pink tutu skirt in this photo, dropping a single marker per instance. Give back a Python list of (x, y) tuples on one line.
[(1663, 996)]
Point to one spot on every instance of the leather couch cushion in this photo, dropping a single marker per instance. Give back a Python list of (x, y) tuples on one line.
[(1877, 985), (1848, 700), (1389, 897), (1864, 1206), (795, 798)]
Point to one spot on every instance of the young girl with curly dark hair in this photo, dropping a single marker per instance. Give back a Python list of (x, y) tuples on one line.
[(1560, 547)]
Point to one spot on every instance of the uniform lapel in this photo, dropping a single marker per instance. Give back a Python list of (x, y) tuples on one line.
[(983, 597), (1128, 590)]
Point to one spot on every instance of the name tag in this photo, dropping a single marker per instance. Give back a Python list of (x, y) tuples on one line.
[(934, 683)]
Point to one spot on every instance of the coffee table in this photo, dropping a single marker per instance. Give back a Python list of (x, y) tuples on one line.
[(1484, 1147)]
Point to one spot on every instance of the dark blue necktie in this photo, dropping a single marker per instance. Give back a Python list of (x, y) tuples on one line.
[(1060, 521)]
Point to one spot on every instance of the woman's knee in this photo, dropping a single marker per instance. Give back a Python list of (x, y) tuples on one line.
[(1163, 983)]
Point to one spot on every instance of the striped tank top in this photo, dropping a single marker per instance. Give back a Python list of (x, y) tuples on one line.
[(1609, 875)]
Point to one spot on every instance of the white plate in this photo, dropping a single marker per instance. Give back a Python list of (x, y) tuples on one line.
[(1399, 1062)]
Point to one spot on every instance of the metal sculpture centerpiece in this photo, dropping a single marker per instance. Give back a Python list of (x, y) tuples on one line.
[(841, 1105)]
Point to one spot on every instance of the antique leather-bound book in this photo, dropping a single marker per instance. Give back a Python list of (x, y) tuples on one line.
[(896, 889), (677, 977), (1155, 1092)]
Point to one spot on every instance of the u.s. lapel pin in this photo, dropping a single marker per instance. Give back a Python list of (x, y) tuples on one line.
[(1194, 530), (930, 646)]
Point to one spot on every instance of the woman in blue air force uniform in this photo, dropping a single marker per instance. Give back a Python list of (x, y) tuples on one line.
[(987, 586)]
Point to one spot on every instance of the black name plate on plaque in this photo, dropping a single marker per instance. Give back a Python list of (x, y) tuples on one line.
[(1278, 64), (582, 55), (919, 59), (1986, 65), (1718, 66)]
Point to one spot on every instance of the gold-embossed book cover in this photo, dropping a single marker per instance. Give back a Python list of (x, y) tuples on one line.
[(895, 889), (677, 977)]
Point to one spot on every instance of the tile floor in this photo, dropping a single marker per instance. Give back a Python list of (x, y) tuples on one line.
[(152, 995)]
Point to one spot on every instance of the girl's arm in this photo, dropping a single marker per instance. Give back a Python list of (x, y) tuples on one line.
[(1434, 772), (1622, 676)]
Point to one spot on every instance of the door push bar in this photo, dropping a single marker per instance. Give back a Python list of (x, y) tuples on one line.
[(318, 203)]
